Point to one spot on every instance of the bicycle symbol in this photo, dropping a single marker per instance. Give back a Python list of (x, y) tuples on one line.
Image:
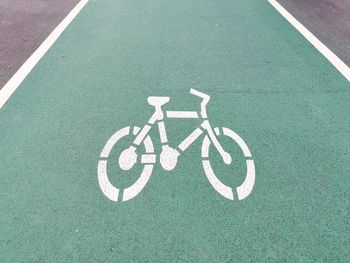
[(169, 156)]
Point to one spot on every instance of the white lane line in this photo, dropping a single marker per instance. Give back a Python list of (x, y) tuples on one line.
[(27, 67), (325, 51)]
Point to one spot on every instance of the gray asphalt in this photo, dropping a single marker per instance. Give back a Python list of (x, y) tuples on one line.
[(24, 25), (328, 20)]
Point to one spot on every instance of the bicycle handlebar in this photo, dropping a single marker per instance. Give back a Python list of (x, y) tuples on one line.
[(205, 101), (198, 93)]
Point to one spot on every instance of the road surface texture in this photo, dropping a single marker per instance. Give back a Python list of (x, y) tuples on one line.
[(266, 83)]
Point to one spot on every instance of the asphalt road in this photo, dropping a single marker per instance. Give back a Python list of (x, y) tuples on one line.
[(328, 20), (24, 25)]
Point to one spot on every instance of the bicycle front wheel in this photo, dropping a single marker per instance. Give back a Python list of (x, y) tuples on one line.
[(244, 189)]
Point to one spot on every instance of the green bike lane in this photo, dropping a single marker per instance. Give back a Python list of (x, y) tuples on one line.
[(266, 82)]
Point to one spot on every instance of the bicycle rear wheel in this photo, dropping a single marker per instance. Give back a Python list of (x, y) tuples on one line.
[(109, 190)]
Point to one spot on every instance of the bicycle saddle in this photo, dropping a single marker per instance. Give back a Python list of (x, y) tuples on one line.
[(157, 101)]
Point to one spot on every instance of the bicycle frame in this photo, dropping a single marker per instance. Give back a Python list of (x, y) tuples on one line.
[(169, 155), (157, 117)]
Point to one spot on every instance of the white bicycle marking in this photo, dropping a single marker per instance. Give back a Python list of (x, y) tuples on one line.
[(113, 140), (182, 114), (112, 192), (169, 155), (234, 136), (136, 188), (221, 188), (245, 189), (205, 147), (148, 158), (162, 132), (107, 188), (190, 139), (142, 134)]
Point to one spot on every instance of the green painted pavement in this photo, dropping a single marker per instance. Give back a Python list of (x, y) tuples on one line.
[(266, 82)]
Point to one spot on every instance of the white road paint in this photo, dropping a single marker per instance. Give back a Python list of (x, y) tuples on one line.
[(246, 187), (148, 158), (182, 114), (205, 147), (234, 136), (113, 140), (204, 102), (206, 143), (221, 188), (108, 189), (162, 132), (142, 134), (27, 67), (323, 49), (137, 187), (169, 156), (148, 145), (157, 101), (225, 156), (190, 139)]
